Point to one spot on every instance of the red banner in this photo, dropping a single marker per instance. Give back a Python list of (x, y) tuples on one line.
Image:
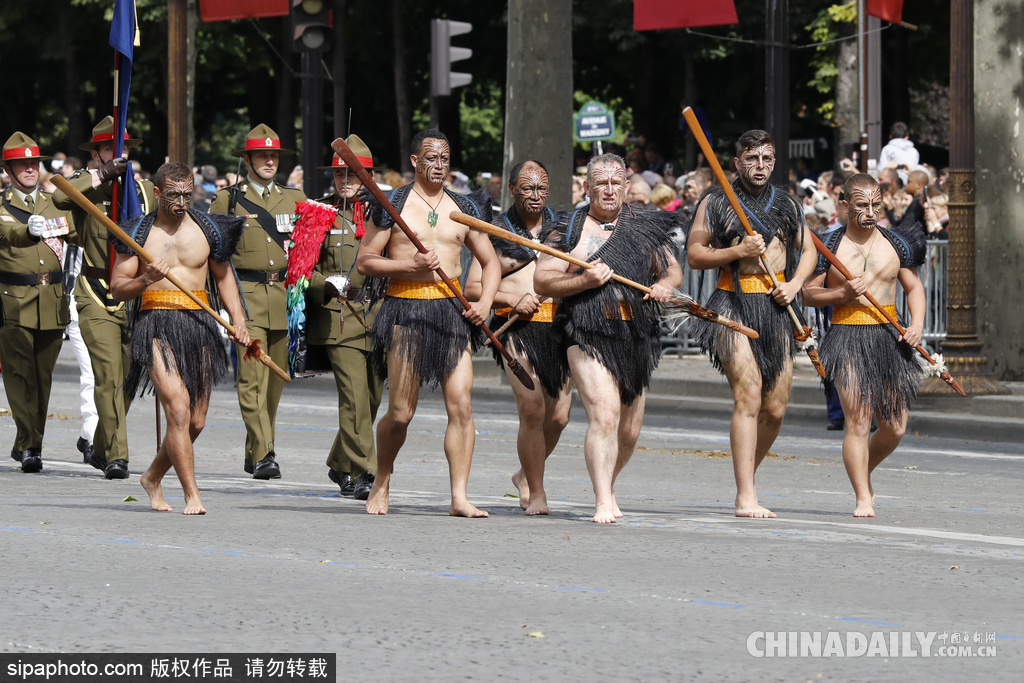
[(222, 10), (649, 15), (886, 10)]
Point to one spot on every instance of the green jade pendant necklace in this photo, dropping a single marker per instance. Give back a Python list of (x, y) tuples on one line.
[(432, 216)]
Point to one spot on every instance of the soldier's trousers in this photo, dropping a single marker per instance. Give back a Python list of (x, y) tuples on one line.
[(359, 395), (27, 357), (106, 336), (259, 392)]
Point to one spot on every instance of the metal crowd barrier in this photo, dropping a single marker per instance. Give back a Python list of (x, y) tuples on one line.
[(933, 276)]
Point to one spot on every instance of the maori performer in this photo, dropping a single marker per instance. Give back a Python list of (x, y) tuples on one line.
[(759, 371), (544, 411), (421, 334), (874, 373), (176, 348), (612, 335)]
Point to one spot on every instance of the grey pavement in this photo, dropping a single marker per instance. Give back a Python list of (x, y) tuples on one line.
[(670, 593)]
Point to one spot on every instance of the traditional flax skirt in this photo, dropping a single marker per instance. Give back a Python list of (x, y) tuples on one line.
[(861, 355), (188, 339), (630, 354), (423, 323), (536, 338), (754, 308)]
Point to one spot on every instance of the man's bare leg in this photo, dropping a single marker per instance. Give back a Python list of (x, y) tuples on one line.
[(177, 444), (600, 394), (460, 435), (856, 450), (882, 443), (631, 419), (403, 396), (152, 477), (745, 381), (541, 421)]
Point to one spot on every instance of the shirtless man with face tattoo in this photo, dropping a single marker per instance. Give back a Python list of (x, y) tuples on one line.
[(544, 411), (873, 371), (422, 335), (176, 347), (612, 331), (759, 371)]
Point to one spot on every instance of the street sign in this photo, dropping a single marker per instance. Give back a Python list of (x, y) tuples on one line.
[(593, 122)]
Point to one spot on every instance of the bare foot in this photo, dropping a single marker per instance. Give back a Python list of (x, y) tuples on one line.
[(377, 503), (194, 507), (749, 507), (156, 493), (519, 481), (538, 504), (604, 513), (465, 509), (615, 507), (865, 509)]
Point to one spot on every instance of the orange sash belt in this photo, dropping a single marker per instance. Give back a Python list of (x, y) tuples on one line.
[(171, 300), (545, 313), (861, 315), (409, 289), (624, 312), (750, 284)]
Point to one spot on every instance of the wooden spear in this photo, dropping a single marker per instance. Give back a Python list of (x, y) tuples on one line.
[(351, 161), (691, 306), (254, 350), (802, 331)]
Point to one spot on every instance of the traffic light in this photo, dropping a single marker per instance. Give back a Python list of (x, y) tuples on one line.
[(442, 54), (311, 25)]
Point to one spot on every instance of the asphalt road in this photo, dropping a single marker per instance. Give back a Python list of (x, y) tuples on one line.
[(670, 593)]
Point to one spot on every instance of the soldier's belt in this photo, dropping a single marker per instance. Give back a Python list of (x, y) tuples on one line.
[(861, 315), (262, 275), (408, 289), (545, 313), (95, 273), (21, 279), (171, 300), (756, 283)]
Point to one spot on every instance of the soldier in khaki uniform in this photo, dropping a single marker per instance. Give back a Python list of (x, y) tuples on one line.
[(260, 263), (104, 321), (35, 305), (341, 330)]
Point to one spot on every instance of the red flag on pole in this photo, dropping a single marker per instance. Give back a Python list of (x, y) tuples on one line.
[(886, 10), (654, 14)]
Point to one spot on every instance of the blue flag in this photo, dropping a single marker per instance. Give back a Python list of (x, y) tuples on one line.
[(122, 39)]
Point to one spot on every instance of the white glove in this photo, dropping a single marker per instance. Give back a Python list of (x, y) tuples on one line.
[(36, 226)]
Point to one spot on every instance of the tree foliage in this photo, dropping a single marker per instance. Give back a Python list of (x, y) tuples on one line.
[(58, 66)]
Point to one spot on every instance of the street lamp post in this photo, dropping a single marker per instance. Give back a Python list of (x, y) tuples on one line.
[(962, 348)]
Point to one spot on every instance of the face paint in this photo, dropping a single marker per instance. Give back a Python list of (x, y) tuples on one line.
[(531, 190), (175, 196), (864, 207), (755, 165), (433, 161), (607, 187)]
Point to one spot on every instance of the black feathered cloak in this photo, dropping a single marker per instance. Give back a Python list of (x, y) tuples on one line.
[(638, 249)]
